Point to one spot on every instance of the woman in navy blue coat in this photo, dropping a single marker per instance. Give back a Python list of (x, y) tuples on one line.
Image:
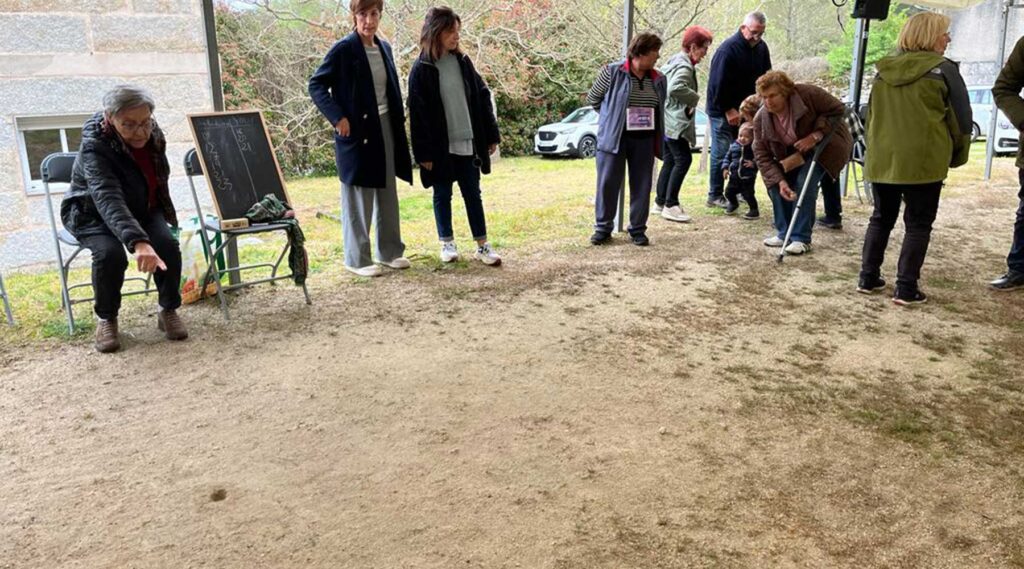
[(454, 131), (356, 88)]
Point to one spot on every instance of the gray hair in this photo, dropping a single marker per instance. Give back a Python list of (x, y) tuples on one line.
[(126, 97), (758, 17)]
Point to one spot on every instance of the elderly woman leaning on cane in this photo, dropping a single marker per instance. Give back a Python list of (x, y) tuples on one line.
[(793, 120), (919, 125), (630, 96), (356, 88), (119, 198)]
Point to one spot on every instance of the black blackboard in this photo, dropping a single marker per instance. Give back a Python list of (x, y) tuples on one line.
[(238, 162)]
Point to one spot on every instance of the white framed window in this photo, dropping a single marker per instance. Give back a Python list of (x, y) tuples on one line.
[(40, 136)]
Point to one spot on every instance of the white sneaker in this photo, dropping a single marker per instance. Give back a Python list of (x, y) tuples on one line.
[(798, 248), (773, 241), (656, 209), (398, 263), (675, 213), (449, 252), (367, 271), (487, 256)]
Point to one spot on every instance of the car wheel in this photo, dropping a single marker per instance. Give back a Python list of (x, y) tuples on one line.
[(587, 147), (975, 132)]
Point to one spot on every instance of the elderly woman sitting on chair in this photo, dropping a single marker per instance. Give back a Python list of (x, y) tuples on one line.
[(119, 198)]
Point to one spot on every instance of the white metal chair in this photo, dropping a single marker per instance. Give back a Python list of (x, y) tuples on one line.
[(193, 168), (56, 168)]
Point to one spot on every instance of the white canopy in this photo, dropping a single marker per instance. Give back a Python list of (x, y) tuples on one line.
[(952, 4)]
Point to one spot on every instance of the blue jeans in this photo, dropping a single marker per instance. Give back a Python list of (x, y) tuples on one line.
[(1015, 260), (782, 209), (467, 174), (722, 135)]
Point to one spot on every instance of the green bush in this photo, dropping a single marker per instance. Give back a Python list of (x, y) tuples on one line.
[(882, 37)]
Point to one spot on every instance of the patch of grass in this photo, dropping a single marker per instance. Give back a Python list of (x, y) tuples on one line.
[(942, 345)]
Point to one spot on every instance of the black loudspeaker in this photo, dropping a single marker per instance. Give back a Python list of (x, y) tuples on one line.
[(871, 9)]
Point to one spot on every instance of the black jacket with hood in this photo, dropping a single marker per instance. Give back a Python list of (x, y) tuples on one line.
[(109, 193), (429, 127)]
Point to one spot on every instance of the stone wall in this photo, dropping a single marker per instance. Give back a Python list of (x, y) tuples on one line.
[(976, 40), (58, 57)]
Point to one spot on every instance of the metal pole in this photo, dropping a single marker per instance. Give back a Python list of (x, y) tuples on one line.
[(627, 36), (990, 143), (213, 55), (860, 50), (7, 302)]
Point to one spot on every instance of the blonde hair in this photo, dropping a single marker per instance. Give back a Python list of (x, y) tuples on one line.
[(922, 31)]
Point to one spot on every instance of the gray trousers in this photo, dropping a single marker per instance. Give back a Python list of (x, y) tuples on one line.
[(359, 205), (638, 152)]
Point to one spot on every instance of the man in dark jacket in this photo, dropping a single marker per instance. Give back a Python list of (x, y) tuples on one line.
[(735, 67), (119, 198), (1007, 94)]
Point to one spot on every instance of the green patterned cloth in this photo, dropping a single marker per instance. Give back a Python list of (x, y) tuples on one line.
[(272, 210)]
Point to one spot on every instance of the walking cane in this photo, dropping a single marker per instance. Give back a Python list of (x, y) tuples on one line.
[(807, 182)]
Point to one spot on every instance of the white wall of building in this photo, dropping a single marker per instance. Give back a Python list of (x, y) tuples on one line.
[(58, 57)]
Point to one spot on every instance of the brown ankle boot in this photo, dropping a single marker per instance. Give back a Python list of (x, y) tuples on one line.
[(106, 336), (171, 325)]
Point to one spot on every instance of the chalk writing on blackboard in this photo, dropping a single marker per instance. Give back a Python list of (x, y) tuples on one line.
[(238, 160)]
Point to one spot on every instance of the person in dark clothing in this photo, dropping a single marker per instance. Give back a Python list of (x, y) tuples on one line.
[(919, 126), (741, 171), (1007, 95), (119, 198), (454, 130), (735, 68), (356, 89), (630, 95)]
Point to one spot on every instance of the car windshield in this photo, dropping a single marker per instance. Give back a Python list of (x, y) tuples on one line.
[(578, 116)]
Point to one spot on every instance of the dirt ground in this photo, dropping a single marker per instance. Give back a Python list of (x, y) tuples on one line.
[(692, 404)]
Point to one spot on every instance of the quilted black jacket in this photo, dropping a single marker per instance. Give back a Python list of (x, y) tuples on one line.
[(109, 193)]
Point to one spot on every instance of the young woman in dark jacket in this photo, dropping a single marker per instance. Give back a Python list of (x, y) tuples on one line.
[(454, 131), (119, 198), (356, 89)]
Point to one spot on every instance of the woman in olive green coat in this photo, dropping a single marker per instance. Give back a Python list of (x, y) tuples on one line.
[(919, 125)]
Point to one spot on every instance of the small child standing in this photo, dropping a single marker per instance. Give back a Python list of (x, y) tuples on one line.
[(739, 169)]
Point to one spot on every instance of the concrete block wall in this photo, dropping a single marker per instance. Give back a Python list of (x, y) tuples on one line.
[(975, 44), (58, 57)]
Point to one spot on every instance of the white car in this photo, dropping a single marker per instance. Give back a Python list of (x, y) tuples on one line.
[(576, 134), (1007, 136), (981, 108)]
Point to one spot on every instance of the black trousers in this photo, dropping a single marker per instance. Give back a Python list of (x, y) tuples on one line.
[(741, 187), (674, 167), (922, 203), (110, 260)]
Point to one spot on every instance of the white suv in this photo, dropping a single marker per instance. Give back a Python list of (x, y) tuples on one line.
[(576, 134)]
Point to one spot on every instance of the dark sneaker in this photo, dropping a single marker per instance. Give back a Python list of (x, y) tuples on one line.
[(641, 240), (752, 214), (830, 223), (720, 201), (168, 322), (732, 209), (868, 285), (600, 238), (905, 297), (106, 336), (1012, 280)]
